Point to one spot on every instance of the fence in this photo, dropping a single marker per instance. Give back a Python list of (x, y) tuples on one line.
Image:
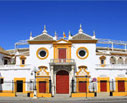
[(76, 87), (99, 86)]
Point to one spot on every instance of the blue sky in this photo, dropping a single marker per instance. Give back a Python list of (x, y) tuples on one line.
[(18, 19)]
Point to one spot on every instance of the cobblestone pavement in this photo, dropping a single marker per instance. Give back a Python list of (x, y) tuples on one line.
[(63, 100)]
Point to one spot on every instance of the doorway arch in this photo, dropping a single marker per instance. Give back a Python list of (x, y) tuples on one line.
[(62, 82)]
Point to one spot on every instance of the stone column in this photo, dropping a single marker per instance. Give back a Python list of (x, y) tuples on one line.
[(71, 76), (73, 71), (52, 80)]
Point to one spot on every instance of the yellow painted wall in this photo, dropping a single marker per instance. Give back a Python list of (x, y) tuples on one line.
[(7, 94), (119, 93), (82, 95)]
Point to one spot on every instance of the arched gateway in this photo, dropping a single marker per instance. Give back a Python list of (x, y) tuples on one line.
[(62, 82)]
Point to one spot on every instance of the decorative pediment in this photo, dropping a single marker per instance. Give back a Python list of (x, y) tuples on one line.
[(62, 41), (42, 72), (82, 72)]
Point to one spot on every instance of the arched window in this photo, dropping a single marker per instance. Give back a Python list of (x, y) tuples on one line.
[(22, 60), (120, 60), (112, 60), (102, 60)]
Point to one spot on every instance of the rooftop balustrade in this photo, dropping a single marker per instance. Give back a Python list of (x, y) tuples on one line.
[(13, 66), (112, 66)]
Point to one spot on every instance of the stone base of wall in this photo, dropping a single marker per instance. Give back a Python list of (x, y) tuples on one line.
[(119, 93), (7, 94), (82, 95), (41, 95)]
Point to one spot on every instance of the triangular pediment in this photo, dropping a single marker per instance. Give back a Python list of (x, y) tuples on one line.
[(81, 36), (43, 37), (62, 41)]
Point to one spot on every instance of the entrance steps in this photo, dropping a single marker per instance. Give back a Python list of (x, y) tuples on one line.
[(61, 96), (103, 94), (21, 94)]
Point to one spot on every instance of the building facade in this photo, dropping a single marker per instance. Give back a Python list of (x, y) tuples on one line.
[(73, 66)]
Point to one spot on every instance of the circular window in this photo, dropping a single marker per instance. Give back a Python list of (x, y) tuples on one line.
[(42, 53), (82, 53)]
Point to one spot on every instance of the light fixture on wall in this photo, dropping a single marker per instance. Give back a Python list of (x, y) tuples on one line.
[(126, 72)]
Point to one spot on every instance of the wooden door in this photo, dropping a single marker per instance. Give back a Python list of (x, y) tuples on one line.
[(42, 87), (19, 86), (82, 86), (62, 54), (62, 82), (121, 86), (103, 86)]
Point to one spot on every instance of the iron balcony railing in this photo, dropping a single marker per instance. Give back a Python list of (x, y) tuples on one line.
[(62, 61)]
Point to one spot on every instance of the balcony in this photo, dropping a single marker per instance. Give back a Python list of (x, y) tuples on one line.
[(62, 62), (111, 67)]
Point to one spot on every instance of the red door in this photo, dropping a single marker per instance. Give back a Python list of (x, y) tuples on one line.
[(62, 82), (62, 54), (42, 87), (103, 86), (82, 86), (121, 86)]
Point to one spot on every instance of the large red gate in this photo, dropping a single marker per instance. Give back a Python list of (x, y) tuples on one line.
[(62, 82)]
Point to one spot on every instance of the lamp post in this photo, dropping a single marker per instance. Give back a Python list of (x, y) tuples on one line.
[(72, 85), (86, 85), (35, 89)]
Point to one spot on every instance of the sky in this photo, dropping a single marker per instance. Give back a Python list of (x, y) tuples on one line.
[(17, 19)]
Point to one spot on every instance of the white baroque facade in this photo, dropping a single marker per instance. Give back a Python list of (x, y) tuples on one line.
[(72, 65)]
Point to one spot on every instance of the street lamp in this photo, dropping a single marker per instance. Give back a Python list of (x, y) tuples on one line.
[(35, 90), (86, 84)]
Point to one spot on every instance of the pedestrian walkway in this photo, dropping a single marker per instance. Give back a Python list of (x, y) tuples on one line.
[(62, 98)]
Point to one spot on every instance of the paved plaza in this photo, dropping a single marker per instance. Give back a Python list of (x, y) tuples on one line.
[(63, 100)]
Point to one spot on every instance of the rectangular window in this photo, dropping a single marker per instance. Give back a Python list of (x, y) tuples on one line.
[(23, 61), (102, 61), (5, 62), (1, 80)]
